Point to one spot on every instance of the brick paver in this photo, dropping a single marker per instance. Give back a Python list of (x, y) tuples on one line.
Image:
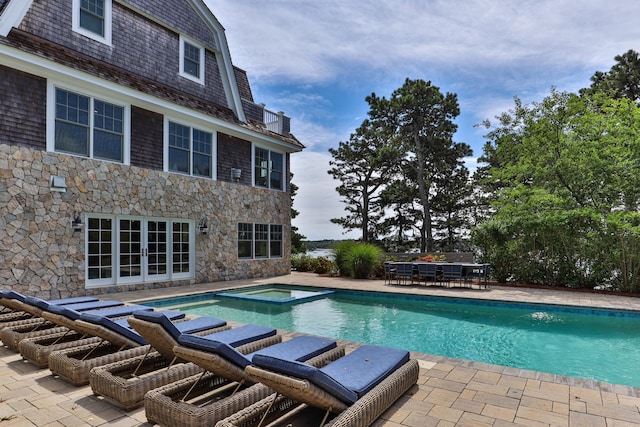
[(450, 392)]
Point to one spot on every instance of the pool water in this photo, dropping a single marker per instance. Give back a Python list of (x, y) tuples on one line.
[(553, 339)]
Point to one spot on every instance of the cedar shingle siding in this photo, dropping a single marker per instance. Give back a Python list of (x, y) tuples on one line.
[(146, 138), (23, 103), (140, 45)]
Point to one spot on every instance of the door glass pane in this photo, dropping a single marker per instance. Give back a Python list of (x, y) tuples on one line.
[(181, 255), (99, 257), (130, 261), (157, 239)]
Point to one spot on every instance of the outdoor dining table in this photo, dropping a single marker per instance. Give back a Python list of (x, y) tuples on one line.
[(444, 271)]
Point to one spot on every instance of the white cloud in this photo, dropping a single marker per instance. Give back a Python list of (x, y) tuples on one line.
[(307, 58)]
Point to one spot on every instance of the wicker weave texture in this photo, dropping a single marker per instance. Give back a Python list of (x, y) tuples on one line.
[(33, 322), (115, 382), (127, 392), (37, 350), (164, 406), (11, 337), (361, 414), (69, 366)]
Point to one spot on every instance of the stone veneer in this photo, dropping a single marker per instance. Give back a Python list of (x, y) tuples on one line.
[(41, 255)]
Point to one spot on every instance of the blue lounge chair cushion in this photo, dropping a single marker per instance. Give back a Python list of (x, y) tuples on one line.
[(192, 326), (224, 343), (73, 311), (300, 349), (348, 378), (113, 326), (45, 304), (124, 322), (14, 295), (119, 311)]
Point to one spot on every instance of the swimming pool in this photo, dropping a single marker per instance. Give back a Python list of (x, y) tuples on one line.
[(589, 343)]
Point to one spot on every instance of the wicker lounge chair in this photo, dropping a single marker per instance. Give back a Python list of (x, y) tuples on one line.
[(37, 349), (203, 400), (126, 382), (12, 335), (358, 387), (20, 309), (118, 342)]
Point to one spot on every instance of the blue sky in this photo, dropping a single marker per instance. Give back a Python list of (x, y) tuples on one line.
[(318, 60)]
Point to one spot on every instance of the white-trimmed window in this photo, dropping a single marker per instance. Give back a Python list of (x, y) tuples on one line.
[(191, 60), (87, 126), (189, 150), (268, 168), (256, 241), (92, 18), (126, 249)]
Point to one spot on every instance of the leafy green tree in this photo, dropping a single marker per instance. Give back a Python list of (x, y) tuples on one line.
[(363, 165), (565, 176), (622, 81), (420, 118), (297, 239)]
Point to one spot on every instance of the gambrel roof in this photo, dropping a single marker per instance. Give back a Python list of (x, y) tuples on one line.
[(189, 17)]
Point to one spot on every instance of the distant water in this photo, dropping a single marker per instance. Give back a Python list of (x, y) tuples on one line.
[(320, 252)]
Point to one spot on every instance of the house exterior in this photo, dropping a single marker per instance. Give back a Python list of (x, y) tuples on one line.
[(132, 154)]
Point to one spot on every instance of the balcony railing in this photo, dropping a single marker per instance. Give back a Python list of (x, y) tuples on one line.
[(275, 122)]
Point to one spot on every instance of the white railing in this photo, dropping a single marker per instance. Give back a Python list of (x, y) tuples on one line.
[(273, 121)]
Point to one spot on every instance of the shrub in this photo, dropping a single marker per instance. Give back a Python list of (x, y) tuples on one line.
[(323, 265), (319, 265), (363, 259), (341, 252)]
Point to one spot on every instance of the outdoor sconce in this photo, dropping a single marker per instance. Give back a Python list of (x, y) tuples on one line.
[(76, 222), (236, 174), (203, 227)]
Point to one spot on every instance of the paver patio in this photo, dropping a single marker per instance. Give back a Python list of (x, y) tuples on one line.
[(450, 392)]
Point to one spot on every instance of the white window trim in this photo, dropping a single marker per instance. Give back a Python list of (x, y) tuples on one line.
[(253, 167), (51, 122), (214, 147), (183, 40), (115, 232), (107, 23)]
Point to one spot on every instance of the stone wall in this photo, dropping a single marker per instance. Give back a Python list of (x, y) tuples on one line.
[(41, 254)]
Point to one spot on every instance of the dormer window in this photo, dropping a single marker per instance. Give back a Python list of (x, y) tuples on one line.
[(191, 60), (92, 18)]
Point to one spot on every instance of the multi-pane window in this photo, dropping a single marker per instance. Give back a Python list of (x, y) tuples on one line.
[(275, 241), (88, 127), (92, 16), (190, 150), (191, 60), (259, 241), (245, 240), (124, 249), (269, 168)]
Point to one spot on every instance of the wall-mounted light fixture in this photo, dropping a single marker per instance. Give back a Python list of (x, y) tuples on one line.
[(203, 227), (236, 174), (58, 183), (76, 222)]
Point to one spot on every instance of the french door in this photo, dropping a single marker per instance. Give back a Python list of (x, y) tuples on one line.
[(128, 249)]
